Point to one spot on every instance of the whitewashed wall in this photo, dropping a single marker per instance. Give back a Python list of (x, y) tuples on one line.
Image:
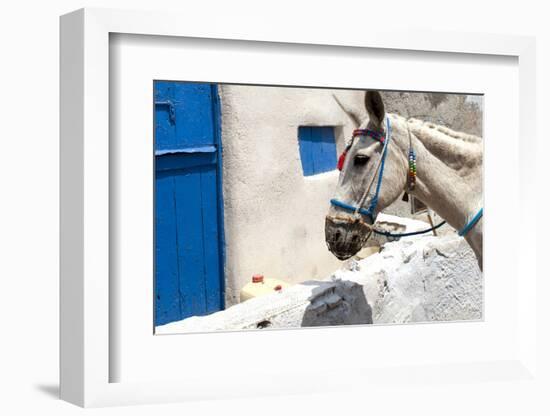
[(274, 215)]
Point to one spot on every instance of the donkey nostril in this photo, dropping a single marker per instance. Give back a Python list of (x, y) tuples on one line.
[(355, 239), (337, 235)]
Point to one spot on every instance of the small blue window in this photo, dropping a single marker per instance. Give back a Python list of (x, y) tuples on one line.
[(317, 149)]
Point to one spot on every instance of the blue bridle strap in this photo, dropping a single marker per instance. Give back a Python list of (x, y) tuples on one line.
[(374, 201), (471, 223), (350, 208)]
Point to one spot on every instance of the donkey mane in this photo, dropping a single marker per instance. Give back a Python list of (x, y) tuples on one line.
[(461, 151), (465, 137)]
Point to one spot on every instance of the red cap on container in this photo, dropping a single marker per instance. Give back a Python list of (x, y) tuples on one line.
[(258, 278)]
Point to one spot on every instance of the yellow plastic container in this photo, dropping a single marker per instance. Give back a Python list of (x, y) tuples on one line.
[(260, 286)]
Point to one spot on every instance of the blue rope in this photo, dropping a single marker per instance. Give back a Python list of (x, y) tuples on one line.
[(363, 211), (471, 223), (388, 234)]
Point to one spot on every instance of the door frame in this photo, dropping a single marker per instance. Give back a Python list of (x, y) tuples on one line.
[(217, 115)]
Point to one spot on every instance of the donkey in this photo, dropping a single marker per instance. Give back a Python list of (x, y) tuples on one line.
[(389, 155)]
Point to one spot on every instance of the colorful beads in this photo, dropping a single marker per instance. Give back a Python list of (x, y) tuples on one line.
[(412, 170)]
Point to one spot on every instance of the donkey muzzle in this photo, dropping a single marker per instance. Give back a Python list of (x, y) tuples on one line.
[(345, 236)]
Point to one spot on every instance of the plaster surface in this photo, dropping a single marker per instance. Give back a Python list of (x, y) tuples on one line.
[(274, 215)]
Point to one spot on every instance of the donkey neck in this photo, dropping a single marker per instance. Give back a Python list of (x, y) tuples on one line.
[(453, 194)]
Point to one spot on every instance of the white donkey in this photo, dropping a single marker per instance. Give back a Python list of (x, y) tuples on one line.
[(390, 154)]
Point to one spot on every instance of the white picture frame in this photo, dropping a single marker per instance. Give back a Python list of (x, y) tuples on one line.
[(86, 356)]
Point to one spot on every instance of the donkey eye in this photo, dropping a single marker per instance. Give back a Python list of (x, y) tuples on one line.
[(360, 160)]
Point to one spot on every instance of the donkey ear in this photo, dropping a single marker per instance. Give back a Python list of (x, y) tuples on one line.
[(375, 107)]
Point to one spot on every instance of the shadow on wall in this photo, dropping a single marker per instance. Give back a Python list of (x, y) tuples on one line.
[(343, 303)]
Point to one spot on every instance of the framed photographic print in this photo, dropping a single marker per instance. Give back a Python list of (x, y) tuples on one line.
[(237, 209), (286, 191)]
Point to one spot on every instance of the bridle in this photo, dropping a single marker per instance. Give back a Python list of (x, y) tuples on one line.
[(384, 138)]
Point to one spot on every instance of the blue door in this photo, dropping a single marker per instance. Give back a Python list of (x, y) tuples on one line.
[(188, 201)]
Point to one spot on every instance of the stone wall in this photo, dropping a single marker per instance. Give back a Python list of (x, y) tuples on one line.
[(415, 279), (421, 280)]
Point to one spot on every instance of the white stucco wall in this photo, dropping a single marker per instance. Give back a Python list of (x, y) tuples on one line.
[(274, 215)]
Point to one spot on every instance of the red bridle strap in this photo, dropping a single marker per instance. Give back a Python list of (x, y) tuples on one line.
[(376, 135)]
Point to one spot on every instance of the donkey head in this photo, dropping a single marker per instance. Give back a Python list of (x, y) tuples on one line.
[(371, 178)]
